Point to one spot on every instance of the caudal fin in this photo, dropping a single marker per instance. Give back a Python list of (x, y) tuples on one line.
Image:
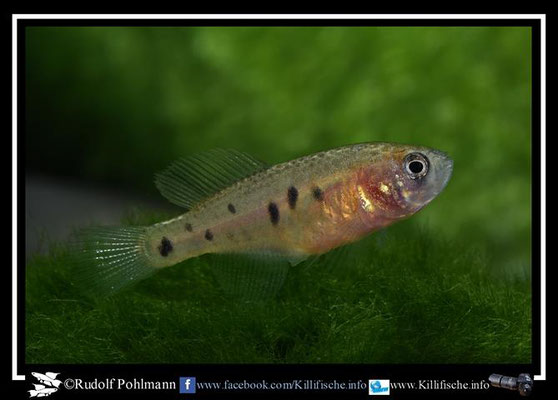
[(108, 259)]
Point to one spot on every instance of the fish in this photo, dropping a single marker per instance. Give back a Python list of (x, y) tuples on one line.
[(48, 378), (41, 391), (267, 218)]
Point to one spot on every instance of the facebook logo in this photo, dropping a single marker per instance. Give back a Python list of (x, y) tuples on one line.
[(187, 385)]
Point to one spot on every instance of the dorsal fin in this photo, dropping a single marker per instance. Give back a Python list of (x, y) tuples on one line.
[(190, 180)]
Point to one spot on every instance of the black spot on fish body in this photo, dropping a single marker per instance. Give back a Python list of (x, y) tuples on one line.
[(292, 195), (318, 193), (273, 213), (231, 208), (188, 227), (165, 247), (209, 235)]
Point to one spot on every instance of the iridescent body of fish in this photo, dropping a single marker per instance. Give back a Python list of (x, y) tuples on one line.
[(307, 206)]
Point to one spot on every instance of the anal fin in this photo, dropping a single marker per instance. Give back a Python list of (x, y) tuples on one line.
[(249, 276)]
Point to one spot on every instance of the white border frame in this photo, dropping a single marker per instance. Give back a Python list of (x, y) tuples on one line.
[(541, 17)]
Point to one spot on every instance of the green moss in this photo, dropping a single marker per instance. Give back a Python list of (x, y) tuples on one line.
[(404, 295)]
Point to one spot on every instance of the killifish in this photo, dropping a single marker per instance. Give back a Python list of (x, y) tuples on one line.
[(48, 378), (238, 206), (41, 391)]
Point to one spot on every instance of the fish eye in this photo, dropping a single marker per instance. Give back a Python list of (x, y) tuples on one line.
[(416, 165)]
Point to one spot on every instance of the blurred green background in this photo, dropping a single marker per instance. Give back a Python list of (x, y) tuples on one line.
[(115, 105)]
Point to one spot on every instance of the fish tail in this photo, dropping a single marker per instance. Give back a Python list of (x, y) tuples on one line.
[(107, 259)]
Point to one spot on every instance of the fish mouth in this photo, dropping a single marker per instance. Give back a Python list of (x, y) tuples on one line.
[(441, 169), (444, 170)]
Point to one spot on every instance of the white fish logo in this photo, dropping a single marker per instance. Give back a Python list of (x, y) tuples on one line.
[(49, 384)]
